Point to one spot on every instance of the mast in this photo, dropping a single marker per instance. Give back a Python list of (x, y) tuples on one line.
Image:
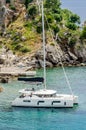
[(44, 55)]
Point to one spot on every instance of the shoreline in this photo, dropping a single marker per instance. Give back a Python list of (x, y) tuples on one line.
[(12, 73)]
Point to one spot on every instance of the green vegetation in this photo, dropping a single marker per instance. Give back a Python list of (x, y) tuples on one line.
[(62, 22), (32, 11), (71, 26), (72, 42), (27, 2), (83, 33), (12, 7)]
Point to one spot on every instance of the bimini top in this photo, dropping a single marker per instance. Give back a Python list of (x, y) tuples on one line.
[(45, 92)]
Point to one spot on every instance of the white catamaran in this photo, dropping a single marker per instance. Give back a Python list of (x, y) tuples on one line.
[(44, 98)]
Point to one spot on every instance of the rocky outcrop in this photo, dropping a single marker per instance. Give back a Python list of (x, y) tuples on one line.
[(55, 55), (80, 51)]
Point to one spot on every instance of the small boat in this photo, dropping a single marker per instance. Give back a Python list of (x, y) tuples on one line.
[(44, 98)]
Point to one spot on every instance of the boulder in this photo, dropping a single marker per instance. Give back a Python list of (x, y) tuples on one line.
[(51, 58), (4, 80), (49, 64), (1, 89), (72, 56)]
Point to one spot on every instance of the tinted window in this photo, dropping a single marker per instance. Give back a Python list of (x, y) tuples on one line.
[(55, 102), (40, 102), (26, 101)]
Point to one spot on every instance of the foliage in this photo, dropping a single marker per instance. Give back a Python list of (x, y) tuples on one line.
[(25, 50), (55, 28), (52, 4), (56, 10), (71, 26), (66, 14), (58, 17), (62, 22), (12, 7), (83, 33), (32, 11), (70, 17), (28, 25), (49, 18), (39, 28), (27, 2), (72, 41), (74, 18)]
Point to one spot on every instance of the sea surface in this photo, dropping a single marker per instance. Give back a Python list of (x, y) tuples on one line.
[(46, 119)]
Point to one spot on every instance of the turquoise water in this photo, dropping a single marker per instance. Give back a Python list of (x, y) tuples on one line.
[(46, 119)]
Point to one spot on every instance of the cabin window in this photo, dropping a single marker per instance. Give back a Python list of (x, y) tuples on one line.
[(40, 102), (26, 101), (65, 103), (55, 102)]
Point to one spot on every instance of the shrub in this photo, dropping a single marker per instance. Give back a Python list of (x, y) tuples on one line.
[(55, 28), (72, 42), (58, 17), (25, 50), (39, 28), (32, 11), (49, 18), (74, 18), (71, 26), (28, 25), (57, 11), (12, 7), (83, 34), (52, 4), (27, 2)]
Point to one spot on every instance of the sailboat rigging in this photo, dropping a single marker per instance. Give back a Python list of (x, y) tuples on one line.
[(44, 97), (44, 45)]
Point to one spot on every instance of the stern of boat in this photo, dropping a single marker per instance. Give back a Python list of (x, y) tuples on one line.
[(75, 98)]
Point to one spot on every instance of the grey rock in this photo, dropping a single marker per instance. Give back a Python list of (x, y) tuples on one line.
[(72, 56), (52, 58), (49, 64), (23, 38)]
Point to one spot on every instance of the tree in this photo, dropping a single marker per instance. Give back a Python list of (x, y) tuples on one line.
[(52, 4), (74, 18), (58, 17), (55, 28), (71, 26)]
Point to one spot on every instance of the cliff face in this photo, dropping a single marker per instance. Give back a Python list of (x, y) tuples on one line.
[(18, 34)]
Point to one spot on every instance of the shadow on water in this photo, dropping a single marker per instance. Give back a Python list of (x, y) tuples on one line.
[(65, 110), (74, 110)]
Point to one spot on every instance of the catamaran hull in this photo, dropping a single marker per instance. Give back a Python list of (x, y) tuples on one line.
[(44, 102)]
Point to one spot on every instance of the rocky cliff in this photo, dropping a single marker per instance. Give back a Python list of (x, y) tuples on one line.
[(21, 42)]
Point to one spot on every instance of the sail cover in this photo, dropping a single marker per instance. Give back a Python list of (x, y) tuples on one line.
[(34, 79)]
